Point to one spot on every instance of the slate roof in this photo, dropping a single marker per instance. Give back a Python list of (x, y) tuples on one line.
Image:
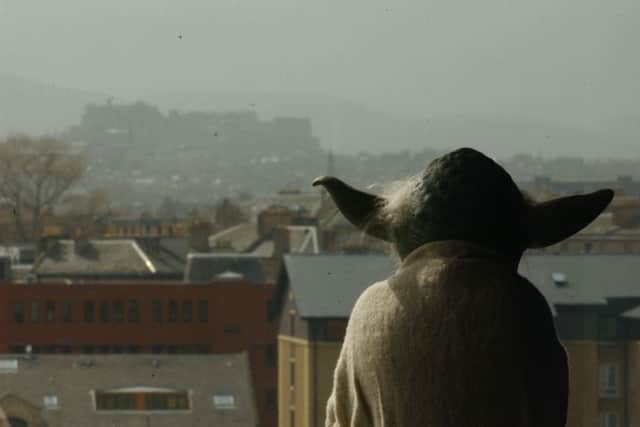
[(167, 254), (241, 236), (328, 285), (108, 257), (310, 201), (205, 267), (244, 238), (71, 378), (591, 278)]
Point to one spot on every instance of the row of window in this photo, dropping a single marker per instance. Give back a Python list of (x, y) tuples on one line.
[(146, 401), (106, 311), (269, 350), (114, 349), (149, 401)]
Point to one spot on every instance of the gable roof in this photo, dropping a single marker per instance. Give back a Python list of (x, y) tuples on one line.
[(240, 236), (167, 254), (591, 278), (328, 285), (109, 257)]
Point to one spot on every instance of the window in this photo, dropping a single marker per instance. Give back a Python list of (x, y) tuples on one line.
[(609, 419), (17, 349), (609, 380), (88, 311), (115, 401), (66, 311), (143, 401), (157, 349), (88, 349), (224, 401), (173, 311), (133, 349), (118, 311), (9, 366), (270, 398), (50, 309), (292, 373), (166, 401), (50, 402), (232, 329), (270, 355), (18, 312), (186, 311), (104, 311), (157, 311), (17, 422), (203, 311), (35, 312), (133, 312), (202, 348), (66, 349), (292, 323)]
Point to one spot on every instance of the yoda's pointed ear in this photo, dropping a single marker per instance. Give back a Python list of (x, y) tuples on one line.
[(550, 222), (361, 209)]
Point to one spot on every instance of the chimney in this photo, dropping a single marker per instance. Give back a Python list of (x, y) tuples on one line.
[(273, 217), (81, 244), (281, 241), (199, 233)]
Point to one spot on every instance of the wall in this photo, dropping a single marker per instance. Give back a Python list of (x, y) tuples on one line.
[(296, 398), (583, 384), (237, 321)]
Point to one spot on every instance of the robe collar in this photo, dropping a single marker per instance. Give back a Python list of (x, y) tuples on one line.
[(457, 249)]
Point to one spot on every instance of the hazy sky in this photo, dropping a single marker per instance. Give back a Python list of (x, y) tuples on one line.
[(574, 61)]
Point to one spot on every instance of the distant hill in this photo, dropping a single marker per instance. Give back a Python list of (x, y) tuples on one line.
[(33, 107), (345, 127), (349, 128)]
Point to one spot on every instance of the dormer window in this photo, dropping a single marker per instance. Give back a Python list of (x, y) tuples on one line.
[(142, 399)]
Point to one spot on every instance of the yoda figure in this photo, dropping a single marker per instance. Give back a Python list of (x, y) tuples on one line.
[(455, 338)]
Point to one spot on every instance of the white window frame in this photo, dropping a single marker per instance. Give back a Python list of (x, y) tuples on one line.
[(609, 419), (51, 402), (224, 401), (609, 388), (8, 366)]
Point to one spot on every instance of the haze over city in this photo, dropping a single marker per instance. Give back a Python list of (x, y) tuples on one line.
[(427, 74)]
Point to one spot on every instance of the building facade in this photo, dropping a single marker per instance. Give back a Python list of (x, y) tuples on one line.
[(595, 300), (146, 318)]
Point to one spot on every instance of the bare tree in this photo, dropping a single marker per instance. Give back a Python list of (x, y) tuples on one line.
[(87, 214), (34, 174)]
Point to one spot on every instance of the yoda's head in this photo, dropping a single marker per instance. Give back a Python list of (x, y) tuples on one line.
[(464, 195)]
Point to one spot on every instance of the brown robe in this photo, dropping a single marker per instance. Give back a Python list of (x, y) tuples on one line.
[(455, 338)]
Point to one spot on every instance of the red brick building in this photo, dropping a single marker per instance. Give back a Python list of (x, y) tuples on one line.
[(145, 317)]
